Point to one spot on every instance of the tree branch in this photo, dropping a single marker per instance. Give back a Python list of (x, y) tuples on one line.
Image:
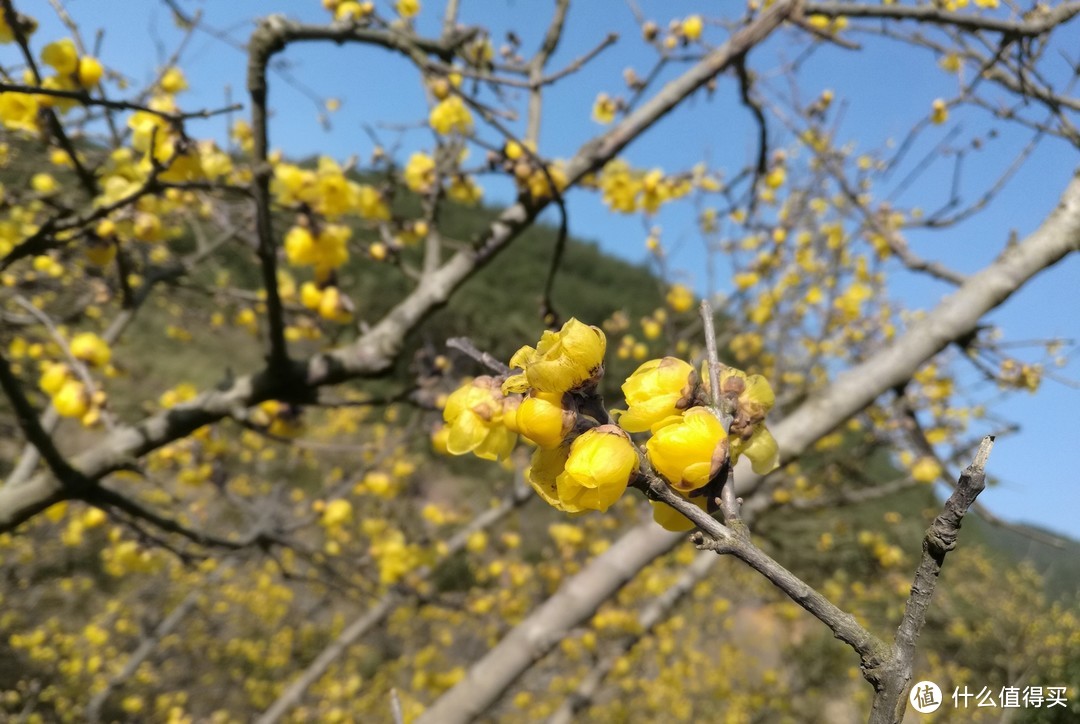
[(890, 699), (935, 15)]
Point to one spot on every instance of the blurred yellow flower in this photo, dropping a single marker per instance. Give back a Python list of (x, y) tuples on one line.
[(939, 112), (61, 56), (604, 109), (451, 115), (926, 470), (680, 298), (91, 349), (420, 172), (71, 400), (337, 512), (173, 81), (692, 27)]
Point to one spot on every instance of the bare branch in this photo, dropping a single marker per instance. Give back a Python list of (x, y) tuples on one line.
[(890, 700), (933, 14), (84, 98)]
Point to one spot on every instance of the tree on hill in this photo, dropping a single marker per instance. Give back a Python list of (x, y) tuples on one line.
[(332, 440)]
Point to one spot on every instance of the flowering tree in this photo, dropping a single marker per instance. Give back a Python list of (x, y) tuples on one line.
[(279, 489)]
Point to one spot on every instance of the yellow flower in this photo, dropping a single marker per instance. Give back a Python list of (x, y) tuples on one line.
[(61, 56), (950, 63), (474, 413), (337, 512), (91, 349), (544, 469), (752, 398), (335, 306), (371, 204), (353, 10), (604, 109), (656, 393), (598, 469), (692, 26), (775, 178), (451, 115), (90, 72), (18, 111), (71, 400), (408, 8), (325, 252), (926, 470), (173, 81), (680, 298), (939, 112), (440, 437), (542, 418), (464, 190), (563, 361), (43, 183), (53, 377), (513, 150), (690, 452), (540, 186), (760, 448), (420, 172), (310, 295), (670, 519)]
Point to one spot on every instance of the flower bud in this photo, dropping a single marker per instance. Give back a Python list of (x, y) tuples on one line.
[(542, 418), (91, 349)]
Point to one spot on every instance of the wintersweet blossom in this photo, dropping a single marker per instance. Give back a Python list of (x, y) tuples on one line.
[(474, 414), (563, 361), (690, 452), (543, 418), (752, 397), (656, 394), (598, 469)]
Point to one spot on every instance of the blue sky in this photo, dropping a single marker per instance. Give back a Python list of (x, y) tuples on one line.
[(887, 87)]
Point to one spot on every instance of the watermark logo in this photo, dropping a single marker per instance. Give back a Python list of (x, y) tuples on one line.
[(925, 697)]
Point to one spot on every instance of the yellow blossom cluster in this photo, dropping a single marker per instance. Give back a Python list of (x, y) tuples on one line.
[(350, 10), (327, 190), (1020, 375), (70, 393), (73, 73), (628, 190), (680, 298), (325, 250), (419, 173), (328, 301), (584, 462), (451, 115)]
